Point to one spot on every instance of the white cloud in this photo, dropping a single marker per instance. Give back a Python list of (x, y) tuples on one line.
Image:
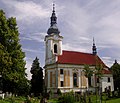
[(39, 37), (30, 50), (69, 47), (108, 61), (79, 21), (26, 11), (28, 66)]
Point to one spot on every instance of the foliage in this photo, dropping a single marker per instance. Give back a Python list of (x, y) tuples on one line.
[(99, 73), (67, 98), (88, 72), (98, 70), (55, 100), (50, 94), (37, 78), (59, 92), (115, 68), (12, 64)]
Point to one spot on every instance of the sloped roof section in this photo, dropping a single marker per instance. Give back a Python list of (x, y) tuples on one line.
[(106, 71), (79, 58)]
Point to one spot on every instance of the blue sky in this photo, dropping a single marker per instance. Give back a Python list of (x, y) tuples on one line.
[(78, 21)]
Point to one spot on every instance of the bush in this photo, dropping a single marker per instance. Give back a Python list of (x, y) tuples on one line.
[(11, 100), (59, 92), (28, 100), (67, 98)]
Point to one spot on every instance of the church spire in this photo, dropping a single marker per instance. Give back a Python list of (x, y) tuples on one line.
[(94, 49), (115, 62), (53, 27), (53, 17)]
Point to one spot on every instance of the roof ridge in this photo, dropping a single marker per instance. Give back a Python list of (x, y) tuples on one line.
[(77, 52)]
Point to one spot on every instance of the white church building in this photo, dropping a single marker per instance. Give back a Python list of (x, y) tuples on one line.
[(64, 69)]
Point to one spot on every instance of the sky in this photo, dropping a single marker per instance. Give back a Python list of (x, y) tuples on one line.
[(78, 21)]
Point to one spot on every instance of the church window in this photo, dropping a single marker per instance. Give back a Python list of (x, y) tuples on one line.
[(89, 81), (109, 87), (75, 80), (97, 80), (55, 48), (61, 71), (108, 79), (61, 83)]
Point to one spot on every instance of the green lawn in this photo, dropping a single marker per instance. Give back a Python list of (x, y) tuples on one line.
[(113, 101), (93, 99), (19, 100), (34, 100)]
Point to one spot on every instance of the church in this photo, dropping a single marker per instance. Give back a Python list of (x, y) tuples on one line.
[(64, 70)]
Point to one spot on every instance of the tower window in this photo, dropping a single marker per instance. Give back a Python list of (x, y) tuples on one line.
[(61, 71), (61, 82), (55, 48), (108, 79)]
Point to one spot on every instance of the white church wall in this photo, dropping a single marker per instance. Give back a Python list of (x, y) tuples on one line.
[(48, 79), (53, 78), (71, 78), (79, 76), (105, 82)]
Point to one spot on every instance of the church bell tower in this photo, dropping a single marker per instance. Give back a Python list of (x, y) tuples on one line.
[(53, 40)]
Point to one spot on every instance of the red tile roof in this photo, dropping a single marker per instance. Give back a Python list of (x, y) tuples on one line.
[(106, 71), (73, 57), (80, 58)]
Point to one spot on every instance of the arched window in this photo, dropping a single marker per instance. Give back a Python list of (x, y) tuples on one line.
[(75, 80), (89, 81), (55, 48)]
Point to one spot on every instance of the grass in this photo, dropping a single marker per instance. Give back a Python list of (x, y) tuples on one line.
[(18, 100), (93, 99), (53, 101), (117, 100), (34, 100)]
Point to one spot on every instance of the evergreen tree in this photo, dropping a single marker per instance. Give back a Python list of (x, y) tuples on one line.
[(12, 64), (115, 68), (37, 78)]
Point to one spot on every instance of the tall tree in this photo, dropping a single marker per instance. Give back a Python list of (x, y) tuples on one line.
[(88, 73), (115, 68), (37, 78), (98, 73), (12, 64)]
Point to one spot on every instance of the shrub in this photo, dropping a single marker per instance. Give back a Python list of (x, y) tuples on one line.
[(59, 92), (28, 100), (67, 98)]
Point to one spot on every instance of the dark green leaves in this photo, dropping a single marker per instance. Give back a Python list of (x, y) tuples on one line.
[(12, 64)]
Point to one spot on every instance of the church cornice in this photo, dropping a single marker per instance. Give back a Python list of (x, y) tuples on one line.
[(53, 37)]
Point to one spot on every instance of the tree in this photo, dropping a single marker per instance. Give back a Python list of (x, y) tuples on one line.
[(98, 73), (12, 64), (88, 73), (37, 78), (115, 68)]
